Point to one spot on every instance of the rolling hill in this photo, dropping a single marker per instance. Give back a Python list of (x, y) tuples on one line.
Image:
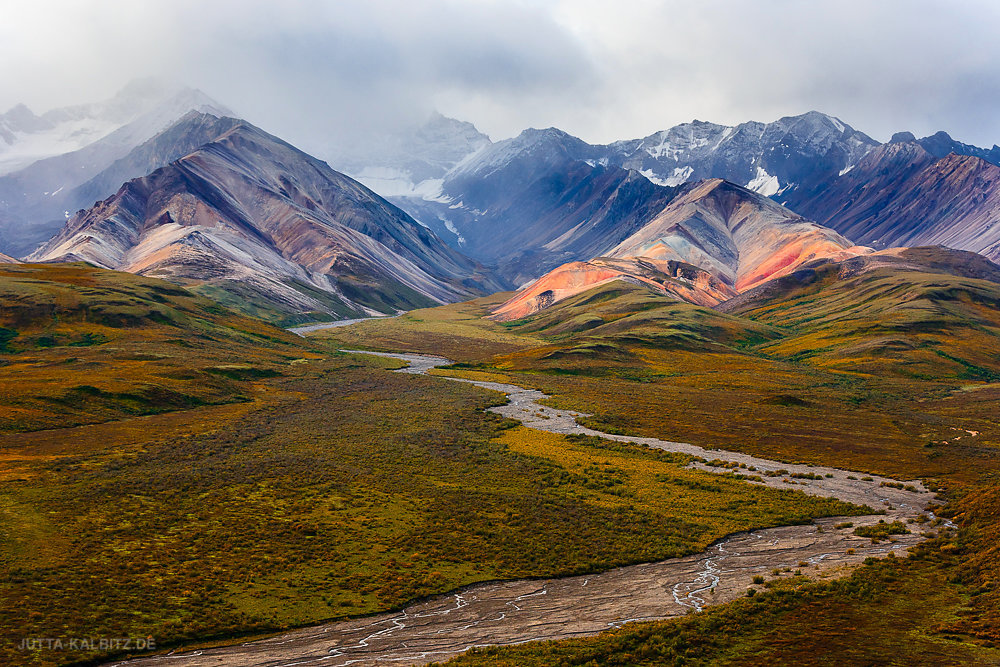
[(82, 345), (916, 312)]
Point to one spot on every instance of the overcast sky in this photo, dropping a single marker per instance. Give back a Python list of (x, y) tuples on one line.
[(599, 69)]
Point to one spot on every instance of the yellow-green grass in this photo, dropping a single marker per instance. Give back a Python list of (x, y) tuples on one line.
[(622, 475), (635, 315), (776, 410), (457, 331), (723, 384), (83, 345), (910, 324)]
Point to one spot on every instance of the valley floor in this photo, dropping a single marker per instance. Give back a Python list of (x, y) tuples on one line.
[(515, 612), (314, 486)]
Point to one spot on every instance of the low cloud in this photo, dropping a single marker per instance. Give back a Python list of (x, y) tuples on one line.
[(318, 73)]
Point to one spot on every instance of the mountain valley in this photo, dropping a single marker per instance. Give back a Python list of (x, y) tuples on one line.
[(626, 366)]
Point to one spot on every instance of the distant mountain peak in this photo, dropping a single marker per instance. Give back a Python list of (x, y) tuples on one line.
[(549, 145), (438, 119), (19, 118), (410, 159), (911, 150), (19, 111), (902, 138), (820, 117), (146, 105)]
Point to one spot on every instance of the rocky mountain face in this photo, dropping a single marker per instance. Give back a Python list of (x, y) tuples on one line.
[(260, 225), (941, 144), (530, 203), (902, 195), (546, 197), (45, 170), (711, 242), (769, 158), (500, 204)]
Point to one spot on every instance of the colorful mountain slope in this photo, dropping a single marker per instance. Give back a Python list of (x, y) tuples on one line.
[(729, 238), (258, 224), (682, 281), (45, 171)]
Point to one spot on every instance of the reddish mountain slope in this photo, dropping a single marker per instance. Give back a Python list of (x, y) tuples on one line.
[(714, 240), (684, 281)]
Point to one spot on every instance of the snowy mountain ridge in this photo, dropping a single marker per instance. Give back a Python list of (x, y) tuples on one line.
[(145, 106)]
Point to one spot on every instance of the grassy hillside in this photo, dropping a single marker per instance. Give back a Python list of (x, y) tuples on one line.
[(83, 345), (603, 331), (918, 324)]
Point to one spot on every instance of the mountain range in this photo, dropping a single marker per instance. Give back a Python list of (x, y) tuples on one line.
[(902, 195), (779, 290), (531, 203), (173, 184), (713, 241)]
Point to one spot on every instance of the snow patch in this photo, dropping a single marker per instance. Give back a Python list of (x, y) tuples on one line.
[(389, 182), (679, 175), (845, 170), (430, 190), (450, 226), (763, 183)]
